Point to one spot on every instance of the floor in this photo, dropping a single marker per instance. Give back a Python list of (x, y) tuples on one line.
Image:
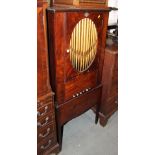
[(83, 137)]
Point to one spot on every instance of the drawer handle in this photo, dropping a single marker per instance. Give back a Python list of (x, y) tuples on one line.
[(46, 134), (45, 147), (39, 103), (45, 111), (39, 124)]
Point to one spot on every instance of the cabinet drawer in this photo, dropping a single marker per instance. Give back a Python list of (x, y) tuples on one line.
[(112, 101), (44, 100), (79, 84), (46, 120), (41, 112), (78, 105), (45, 145), (111, 104), (115, 77), (113, 90), (45, 132)]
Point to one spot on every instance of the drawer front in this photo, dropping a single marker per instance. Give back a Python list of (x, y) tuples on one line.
[(41, 112), (44, 100), (78, 105), (46, 145), (79, 85), (113, 90), (45, 132), (115, 72), (46, 120), (111, 104), (112, 100), (115, 76)]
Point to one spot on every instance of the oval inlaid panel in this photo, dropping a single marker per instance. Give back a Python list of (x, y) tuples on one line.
[(83, 44)]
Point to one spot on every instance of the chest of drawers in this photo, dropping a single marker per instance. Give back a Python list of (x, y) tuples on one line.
[(109, 102), (46, 126)]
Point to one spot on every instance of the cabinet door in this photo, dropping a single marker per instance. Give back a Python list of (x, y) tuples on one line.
[(82, 51), (83, 42)]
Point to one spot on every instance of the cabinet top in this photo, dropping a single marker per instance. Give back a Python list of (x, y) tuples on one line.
[(75, 8)]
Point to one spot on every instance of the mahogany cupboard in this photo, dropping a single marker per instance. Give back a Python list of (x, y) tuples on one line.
[(76, 41), (46, 128), (109, 102)]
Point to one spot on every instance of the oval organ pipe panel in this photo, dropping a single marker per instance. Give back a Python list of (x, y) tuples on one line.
[(83, 44)]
